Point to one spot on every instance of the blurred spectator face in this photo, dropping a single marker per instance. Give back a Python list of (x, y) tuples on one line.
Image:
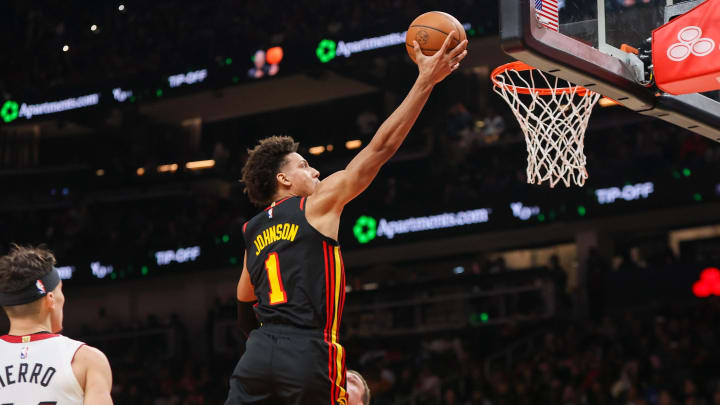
[(477, 398), (569, 394), (665, 398), (689, 388), (259, 59), (450, 398), (356, 389)]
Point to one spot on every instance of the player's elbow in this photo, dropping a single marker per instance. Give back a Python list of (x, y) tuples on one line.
[(245, 294), (383, 151)]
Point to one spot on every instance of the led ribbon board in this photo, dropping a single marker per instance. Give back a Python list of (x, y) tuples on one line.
[(182, 255), (522, 211), (65, 272), (629, 192), (193, 77), (11, 110), (366, 228), (328, 49), (100, 270)]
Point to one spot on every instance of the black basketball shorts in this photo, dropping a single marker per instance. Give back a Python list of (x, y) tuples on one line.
[(290, 366)]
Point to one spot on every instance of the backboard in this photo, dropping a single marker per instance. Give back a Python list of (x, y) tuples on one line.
[(583, 45)]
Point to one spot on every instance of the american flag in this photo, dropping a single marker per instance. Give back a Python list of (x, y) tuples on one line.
[(547, 13)]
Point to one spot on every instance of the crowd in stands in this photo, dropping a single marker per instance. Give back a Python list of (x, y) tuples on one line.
[(137, 38), (124, 230), (463, 151), (664, 355), (459, 165)]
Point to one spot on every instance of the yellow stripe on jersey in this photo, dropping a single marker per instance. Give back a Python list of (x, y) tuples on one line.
[(336, 323)]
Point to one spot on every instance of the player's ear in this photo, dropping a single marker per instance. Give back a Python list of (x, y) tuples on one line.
[(283, 179), (49, 301)]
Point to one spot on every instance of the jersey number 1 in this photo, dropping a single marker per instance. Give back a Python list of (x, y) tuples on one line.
[(277, 291)]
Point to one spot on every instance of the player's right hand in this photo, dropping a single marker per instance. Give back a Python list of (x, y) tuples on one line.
[(438, 66)]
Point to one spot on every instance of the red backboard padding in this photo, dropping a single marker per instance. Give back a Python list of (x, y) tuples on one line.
[(686, 51)]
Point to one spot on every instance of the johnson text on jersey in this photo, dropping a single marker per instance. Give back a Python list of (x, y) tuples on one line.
[(273, 234)]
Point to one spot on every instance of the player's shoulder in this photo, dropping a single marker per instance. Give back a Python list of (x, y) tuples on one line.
[(91, 357)]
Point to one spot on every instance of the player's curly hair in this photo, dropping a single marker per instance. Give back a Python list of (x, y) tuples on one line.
[(23, 265), (263, 163)]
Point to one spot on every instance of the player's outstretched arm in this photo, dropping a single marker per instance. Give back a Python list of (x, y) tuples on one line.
[(94, 375), (339, 188)]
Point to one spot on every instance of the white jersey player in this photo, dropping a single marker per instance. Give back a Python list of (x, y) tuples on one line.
[(38, 366)]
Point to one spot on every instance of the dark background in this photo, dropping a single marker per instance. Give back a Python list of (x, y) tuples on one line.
[(581, 303)]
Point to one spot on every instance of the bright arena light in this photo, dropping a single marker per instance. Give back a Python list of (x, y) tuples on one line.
[(200, 164), (93, 27), (140, 171), (65, 48), (354, 144), (167, 168), (121, 7), (316, 150)]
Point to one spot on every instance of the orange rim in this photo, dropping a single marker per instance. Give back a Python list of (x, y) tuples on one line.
[(521, 67)]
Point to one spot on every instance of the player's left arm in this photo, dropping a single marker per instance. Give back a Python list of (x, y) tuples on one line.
[(246, 298), (98, 376), (245, 289), (341, 187)]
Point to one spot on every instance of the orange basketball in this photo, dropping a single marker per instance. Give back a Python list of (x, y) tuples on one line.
[(430, 30)]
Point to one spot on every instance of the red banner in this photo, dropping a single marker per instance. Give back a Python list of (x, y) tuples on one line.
[(686, 51)]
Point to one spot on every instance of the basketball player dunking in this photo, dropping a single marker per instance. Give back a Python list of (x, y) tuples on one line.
[(293, 266), (37, 365)]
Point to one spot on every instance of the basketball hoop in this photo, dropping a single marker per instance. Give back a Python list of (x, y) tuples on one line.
[(553, 115)]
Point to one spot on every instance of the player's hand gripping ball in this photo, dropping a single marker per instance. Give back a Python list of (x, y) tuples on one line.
[(432, 48), (430, 30)]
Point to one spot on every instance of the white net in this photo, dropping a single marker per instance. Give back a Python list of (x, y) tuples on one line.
[(553, 115)]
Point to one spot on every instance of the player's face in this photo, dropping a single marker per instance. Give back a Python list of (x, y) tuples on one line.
[(303, 178), (56, 315), (355, 390)]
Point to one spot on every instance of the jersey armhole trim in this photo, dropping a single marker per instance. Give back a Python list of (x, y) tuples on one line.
[(245, 226), (75, 378), (302, 203), (76, 350), (329, 239)]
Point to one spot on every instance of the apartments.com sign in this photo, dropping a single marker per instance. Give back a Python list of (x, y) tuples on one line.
[(367, 228), (328, 49), (11, 110)]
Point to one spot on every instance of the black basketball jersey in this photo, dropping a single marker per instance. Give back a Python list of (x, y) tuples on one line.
[(298, 273)]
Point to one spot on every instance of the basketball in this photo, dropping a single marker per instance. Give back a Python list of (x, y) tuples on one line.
[(430, 30)]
